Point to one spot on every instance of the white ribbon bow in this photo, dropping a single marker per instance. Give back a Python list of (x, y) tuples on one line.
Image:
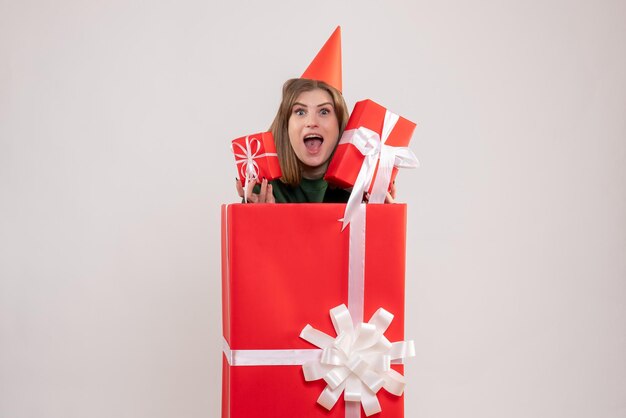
[(372, 146), (248, 165), (356, 362)]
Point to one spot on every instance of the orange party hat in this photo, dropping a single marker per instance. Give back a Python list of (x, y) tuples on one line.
[(326, 66)]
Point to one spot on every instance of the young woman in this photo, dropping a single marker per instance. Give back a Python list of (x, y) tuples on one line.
[(310, 120), (306, 129)]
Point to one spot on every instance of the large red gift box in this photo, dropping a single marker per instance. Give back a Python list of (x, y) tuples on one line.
[(347, 160), (256, 158), (285, 266)]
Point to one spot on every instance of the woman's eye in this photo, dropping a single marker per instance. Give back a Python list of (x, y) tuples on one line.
[(299, 112), (325, 111)]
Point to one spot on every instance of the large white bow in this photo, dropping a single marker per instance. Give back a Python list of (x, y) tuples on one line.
[(356, 362)]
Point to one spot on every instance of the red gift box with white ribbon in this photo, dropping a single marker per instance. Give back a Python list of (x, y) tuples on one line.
[(256, 158), (372, 147), (304, 332)]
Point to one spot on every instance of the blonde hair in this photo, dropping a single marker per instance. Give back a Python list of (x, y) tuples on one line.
[(289, 163)]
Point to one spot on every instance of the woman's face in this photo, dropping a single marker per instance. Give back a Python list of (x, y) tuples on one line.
[(313, 131)]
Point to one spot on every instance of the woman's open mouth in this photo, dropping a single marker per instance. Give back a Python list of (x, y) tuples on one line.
[(313, 143)]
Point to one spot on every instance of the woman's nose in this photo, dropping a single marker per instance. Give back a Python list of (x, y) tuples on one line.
[(311, 120)]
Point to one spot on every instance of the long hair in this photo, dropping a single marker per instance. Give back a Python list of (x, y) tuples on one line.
[(289, 163)]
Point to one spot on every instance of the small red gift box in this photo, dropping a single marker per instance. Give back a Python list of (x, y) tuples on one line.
[(377, 125), (283, 267), (256, 158)]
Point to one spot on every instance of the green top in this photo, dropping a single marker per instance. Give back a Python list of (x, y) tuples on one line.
[(308, 191)]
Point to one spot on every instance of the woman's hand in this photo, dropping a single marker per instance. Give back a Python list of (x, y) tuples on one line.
[(265, 195), (389, 198), (391, 194)]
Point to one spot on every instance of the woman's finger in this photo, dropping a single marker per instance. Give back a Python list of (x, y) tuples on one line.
[(389, 198), (392, 190), (270, 194), (250, 189), (263, 193), (239, 187)]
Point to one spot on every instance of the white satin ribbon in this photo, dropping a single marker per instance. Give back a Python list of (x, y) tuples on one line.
[(269, 357), (296, 357), (372, 146), (357, 361), (356, 265), (246, 160)]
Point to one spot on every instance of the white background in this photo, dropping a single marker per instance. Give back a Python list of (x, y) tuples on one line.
[(115, 122)]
